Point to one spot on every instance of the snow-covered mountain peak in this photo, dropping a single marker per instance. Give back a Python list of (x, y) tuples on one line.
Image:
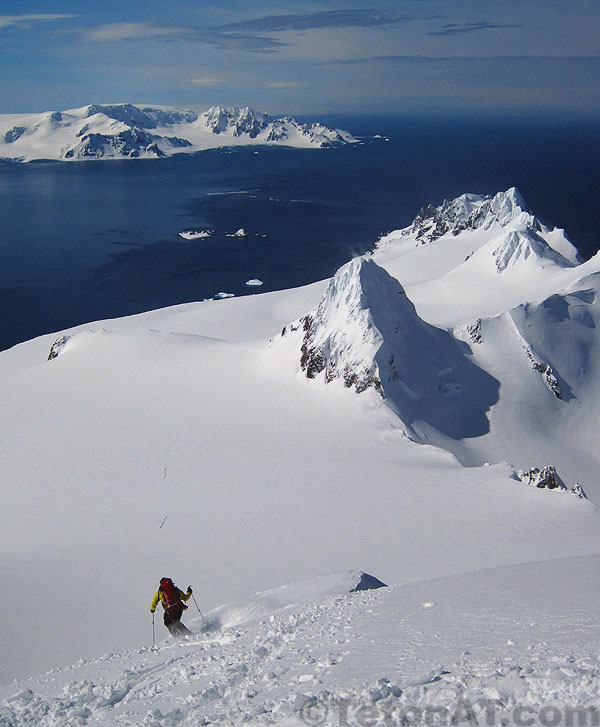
[(518, 245), (237, 121), (468, 212), (366, 332), (344, 334), (492, 250), (507, 207)]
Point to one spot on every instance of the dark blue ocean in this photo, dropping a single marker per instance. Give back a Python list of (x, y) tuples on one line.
[(86, 241)]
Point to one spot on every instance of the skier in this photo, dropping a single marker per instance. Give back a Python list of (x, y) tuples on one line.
[(172, 600)]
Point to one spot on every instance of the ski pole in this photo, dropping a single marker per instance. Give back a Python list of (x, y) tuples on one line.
[(198, 607), (153, 640)]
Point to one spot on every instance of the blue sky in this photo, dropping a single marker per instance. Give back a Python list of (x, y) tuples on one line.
[(384, 56)]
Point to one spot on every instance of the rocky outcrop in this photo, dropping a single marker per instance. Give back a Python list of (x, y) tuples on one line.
[(57, 347), (548, 375), (13, 134), (546, 478), (368, 583), (474, 331)]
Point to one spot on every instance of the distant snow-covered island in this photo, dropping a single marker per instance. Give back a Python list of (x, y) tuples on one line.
[(126, 131)]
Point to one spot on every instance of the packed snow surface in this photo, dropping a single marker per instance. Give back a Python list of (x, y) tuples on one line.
[(383, 420), (125, 131)]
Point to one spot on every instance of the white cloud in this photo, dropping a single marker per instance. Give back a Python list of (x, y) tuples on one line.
[(7, 21), (204, 81), (137, 31), (211, 36)]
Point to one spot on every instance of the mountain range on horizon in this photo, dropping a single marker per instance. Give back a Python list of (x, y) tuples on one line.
[(127, 131)]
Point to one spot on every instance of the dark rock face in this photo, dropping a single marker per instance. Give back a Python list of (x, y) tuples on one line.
[(249, 124), (277, 133), (130, 143), (546, 478), (13, 134), (474, 331), (546, 371), (178, 142), (368, 583), (313, 361), (57, 347)]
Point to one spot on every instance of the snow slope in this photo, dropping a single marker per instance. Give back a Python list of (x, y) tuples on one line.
[(190, 442), (125, 131), (497, 646)]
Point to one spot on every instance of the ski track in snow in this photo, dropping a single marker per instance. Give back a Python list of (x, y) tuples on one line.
[(497, 640)]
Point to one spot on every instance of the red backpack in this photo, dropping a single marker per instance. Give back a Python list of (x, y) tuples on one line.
[(171, 599)]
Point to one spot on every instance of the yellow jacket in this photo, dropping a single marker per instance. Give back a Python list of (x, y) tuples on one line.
[(158, 596)]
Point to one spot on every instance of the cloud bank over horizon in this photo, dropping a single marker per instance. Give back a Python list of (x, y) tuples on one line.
[(433, 56)]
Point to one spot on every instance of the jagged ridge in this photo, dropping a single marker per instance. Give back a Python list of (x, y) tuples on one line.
[(469, 212), (245, 121)]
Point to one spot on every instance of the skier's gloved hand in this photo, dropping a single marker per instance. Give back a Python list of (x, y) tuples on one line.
[(151, 610), (190, 589)]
